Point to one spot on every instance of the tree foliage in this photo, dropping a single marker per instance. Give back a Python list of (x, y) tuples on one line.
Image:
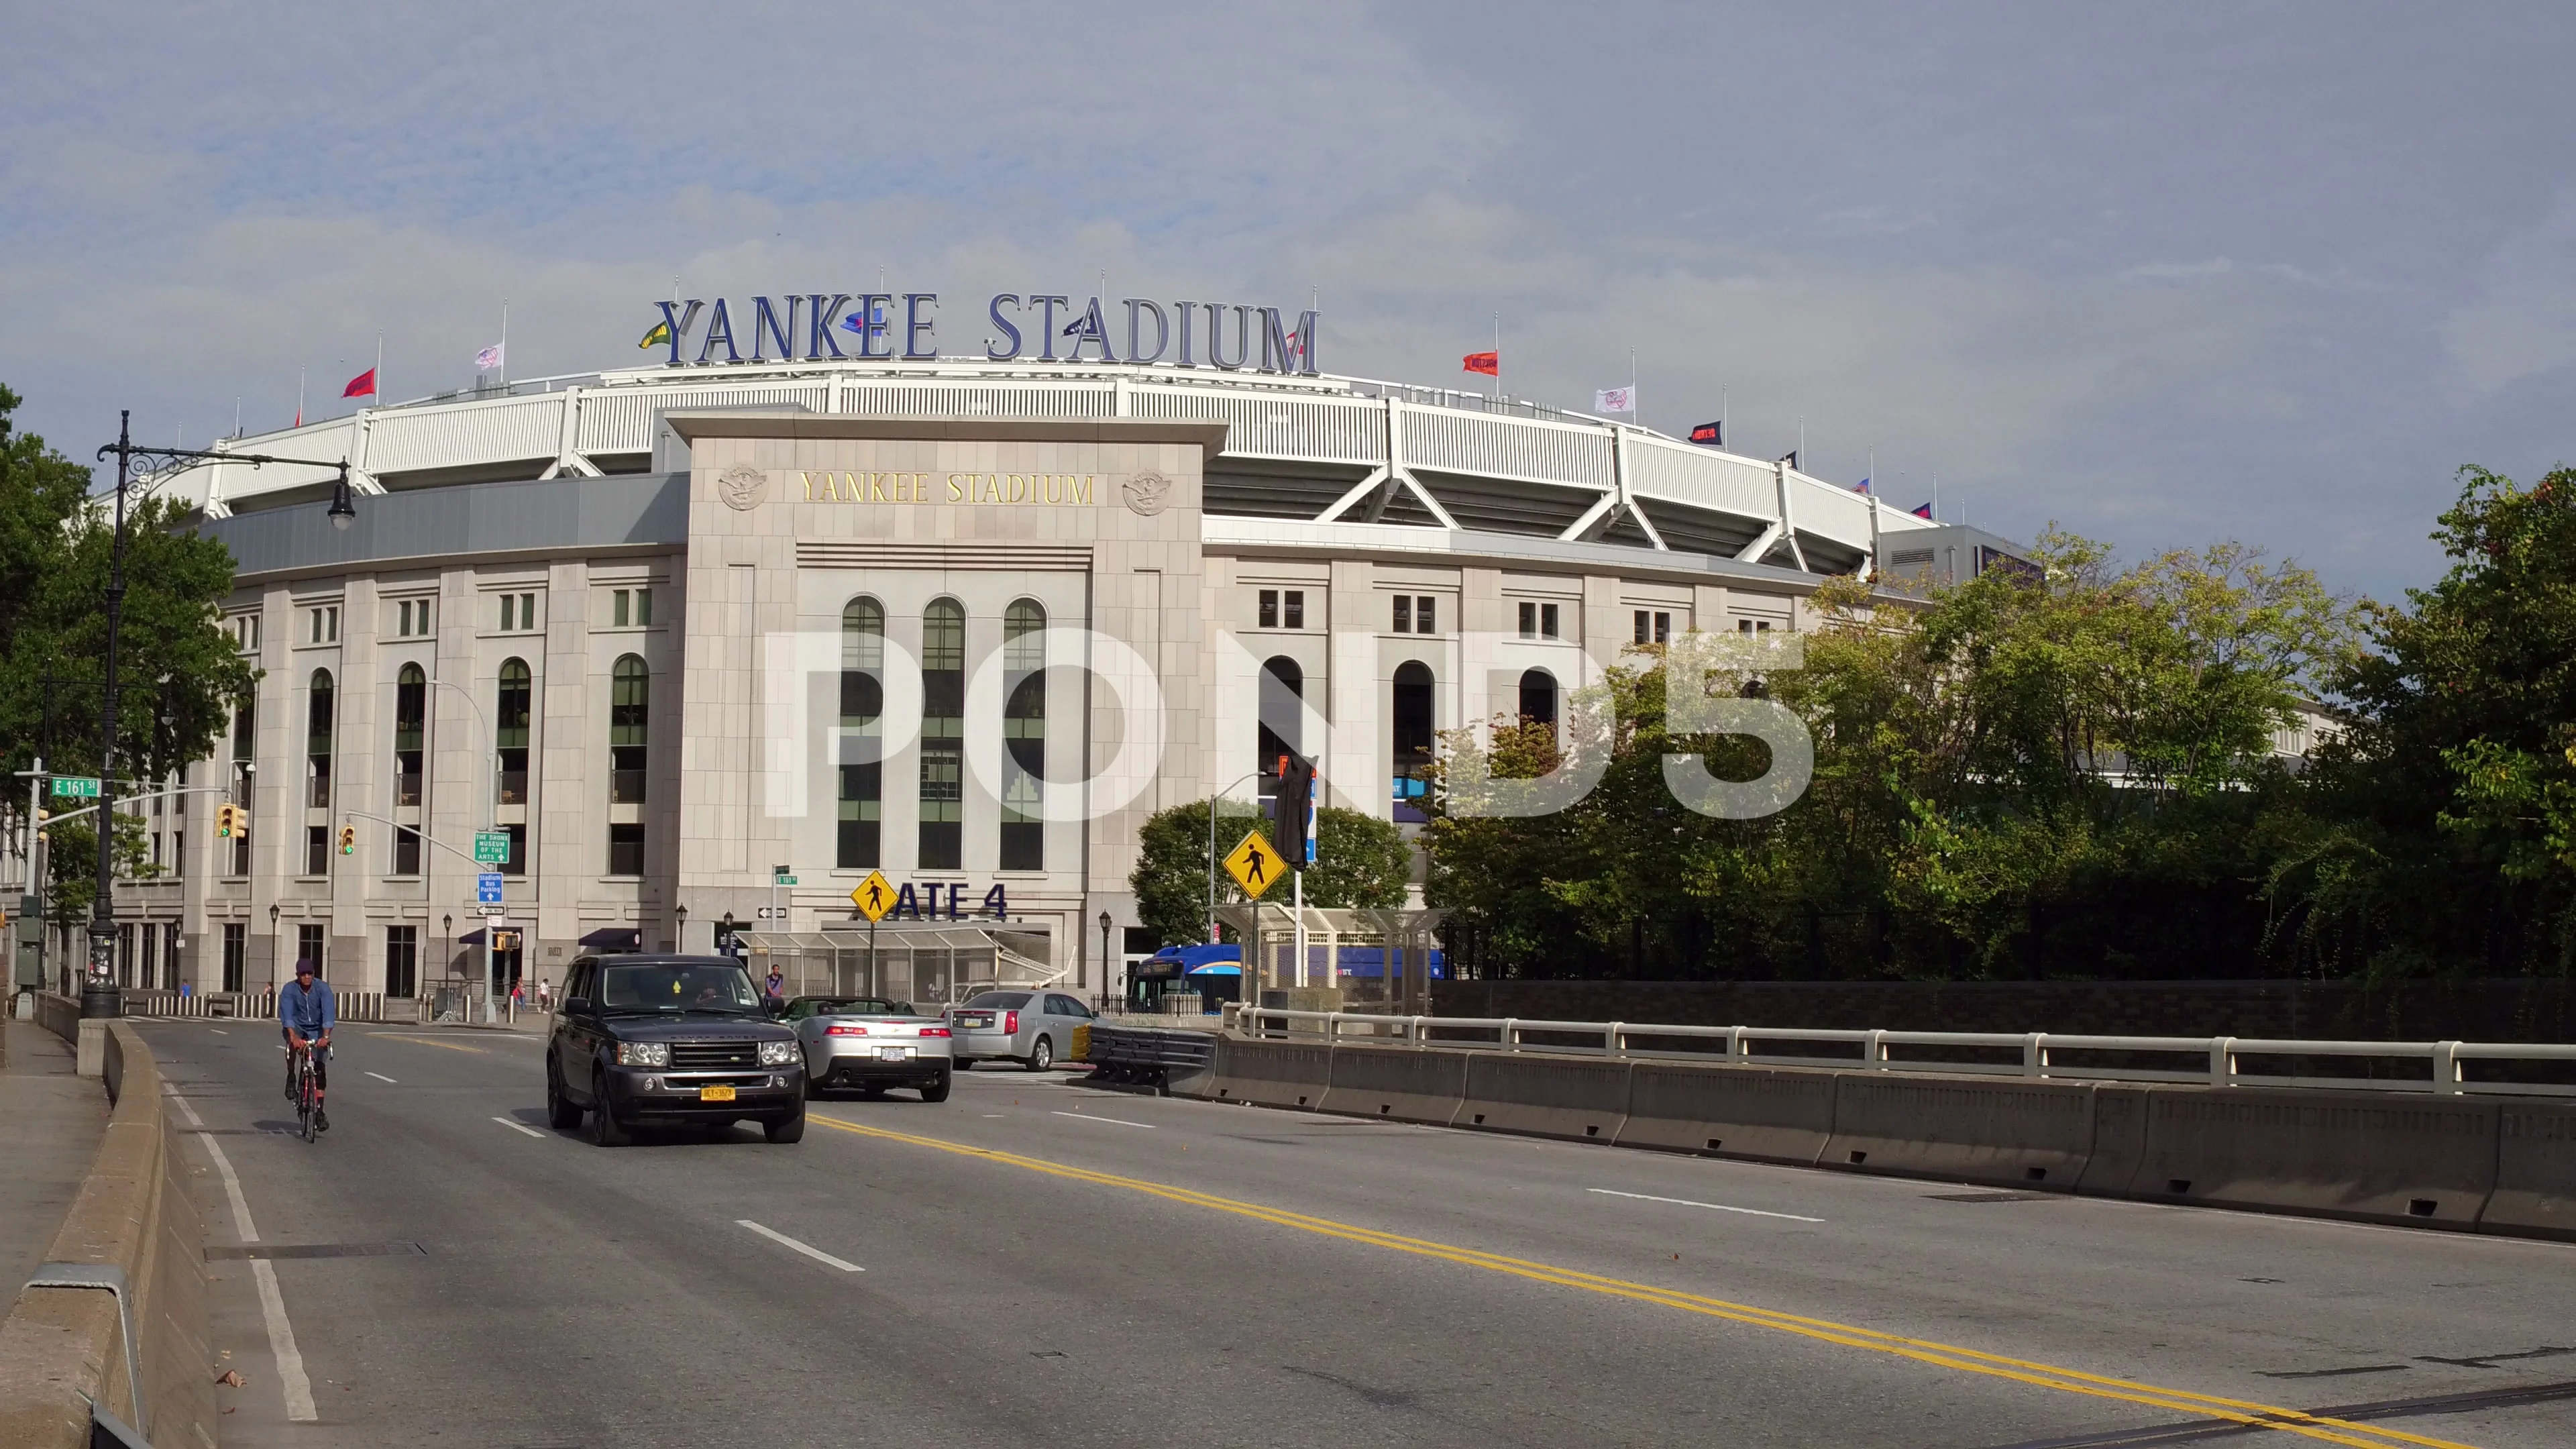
[(2065, 774), (1359, 861)]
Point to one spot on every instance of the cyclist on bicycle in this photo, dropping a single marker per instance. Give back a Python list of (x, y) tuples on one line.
[(306, 1012)]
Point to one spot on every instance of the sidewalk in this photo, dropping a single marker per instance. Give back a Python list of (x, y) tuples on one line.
[(51, 1123)]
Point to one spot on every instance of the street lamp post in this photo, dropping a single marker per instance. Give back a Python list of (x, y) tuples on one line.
[(680, 928), (99, 996), (274, 945), (1104, 960)]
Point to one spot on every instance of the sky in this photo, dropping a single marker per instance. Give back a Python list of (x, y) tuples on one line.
[(2163, 275)]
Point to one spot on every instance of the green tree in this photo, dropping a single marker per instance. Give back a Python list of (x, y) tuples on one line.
[(179, 672), (1359, 861), (2441, 836)]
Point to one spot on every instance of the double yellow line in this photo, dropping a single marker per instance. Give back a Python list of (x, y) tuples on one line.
[(1939, 1355)]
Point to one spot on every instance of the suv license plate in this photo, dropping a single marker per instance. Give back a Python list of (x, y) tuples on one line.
[(715, 1094), (893, 1054)]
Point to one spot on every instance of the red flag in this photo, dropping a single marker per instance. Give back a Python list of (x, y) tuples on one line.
[(1488, 363), (1923, 510), (363, 385)]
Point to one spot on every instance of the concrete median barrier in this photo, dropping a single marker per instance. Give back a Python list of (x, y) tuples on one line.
[(139, 1352), (1402, 1084), (1272, 1073), (2535, 1184), (2421, 1160), (1577, 1098), (2119, 1140), (2009, 1133), (1774, 1115)]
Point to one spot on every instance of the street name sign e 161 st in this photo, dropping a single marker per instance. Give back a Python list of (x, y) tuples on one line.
[(75, 787), (491, 847)]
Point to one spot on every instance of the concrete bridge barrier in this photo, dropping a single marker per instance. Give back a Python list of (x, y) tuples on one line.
[(1577, 1098), (2009, 1133), (1272, 1073), (1403, 1084), (2428, 1161), (2535, 1184), (127, 1330), (1764, 1113)]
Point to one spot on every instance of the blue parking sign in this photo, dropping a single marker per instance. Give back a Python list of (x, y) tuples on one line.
[(487, 888)]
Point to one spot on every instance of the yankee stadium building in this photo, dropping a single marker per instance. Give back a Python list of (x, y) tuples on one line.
[(696, 648)]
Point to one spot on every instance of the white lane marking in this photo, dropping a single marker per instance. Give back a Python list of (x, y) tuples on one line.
[(513, 1126), (817, 1254), (185, 1110), (1711, 1206), (219, 1031), (1115, 1121), (996, 1116), (232, 1187), (381, 1077), (281, 1342)]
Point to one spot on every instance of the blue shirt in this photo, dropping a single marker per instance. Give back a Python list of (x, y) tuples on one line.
[(308, 1013)]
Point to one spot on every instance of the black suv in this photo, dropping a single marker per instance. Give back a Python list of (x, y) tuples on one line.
[(654, 1039)]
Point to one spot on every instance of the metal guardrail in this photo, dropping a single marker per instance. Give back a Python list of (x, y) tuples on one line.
[(2218, 1061)]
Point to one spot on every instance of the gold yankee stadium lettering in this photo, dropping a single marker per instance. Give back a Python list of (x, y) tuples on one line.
[(995, 488)]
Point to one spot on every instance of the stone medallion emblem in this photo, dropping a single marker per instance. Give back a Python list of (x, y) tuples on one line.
[(1147, 493), (742, 488)]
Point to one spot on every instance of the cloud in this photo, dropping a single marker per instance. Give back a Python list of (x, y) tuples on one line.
[(2522, 321)]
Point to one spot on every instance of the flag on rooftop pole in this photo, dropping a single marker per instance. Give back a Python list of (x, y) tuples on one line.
[(1922, 510), (1861, 487), (488, 358), (1488, 363), (1616, 400), (658, 332), (363, 385)]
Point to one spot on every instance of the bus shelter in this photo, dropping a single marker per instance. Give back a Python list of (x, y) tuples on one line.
[(929, 964), (1367, 960)]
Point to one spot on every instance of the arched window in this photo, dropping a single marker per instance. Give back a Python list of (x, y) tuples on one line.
[(1023, 735), (1283, 693), (317, 739), (1412, 716), (943, 735), (515, 703), (1538, 698), (861, 766)]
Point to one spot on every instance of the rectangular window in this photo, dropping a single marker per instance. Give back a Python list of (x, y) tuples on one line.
[(509, 611), (1547, 622), (1645, 625), (246, 632), (1529, 620), (862, 808), (527, 611), (236, 958), (402, 961), (1404, 613), (1425, 615), (643, 608), (1663, 627), (626, 850), (178, 852), (317, 850), (406, 851), (308, 946), (943, 778), (1269, 608), (517, 864), (411, 618), (617, 610), (1293, 614), (1654, 626), (402, 619), (1752, 626)]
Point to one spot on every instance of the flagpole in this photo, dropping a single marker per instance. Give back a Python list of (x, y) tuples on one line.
[(378, 397), (299, 395), (1636, 415), (1499, 394)]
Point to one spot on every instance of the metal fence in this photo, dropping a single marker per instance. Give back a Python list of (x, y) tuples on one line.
[(2520, 1068)]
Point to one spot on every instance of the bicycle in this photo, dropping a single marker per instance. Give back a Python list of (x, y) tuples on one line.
[(308, 1095)]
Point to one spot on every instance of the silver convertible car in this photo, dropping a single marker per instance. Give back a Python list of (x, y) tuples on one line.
[(869, 1043)]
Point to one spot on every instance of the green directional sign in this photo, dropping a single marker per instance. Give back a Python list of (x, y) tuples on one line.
[(784, 879), (491, 847), (75, 787)]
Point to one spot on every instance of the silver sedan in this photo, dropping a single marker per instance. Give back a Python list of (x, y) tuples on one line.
[(1034, 1028), (870, 1043)]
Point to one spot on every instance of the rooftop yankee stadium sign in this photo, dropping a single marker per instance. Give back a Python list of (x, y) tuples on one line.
[(821, 326)]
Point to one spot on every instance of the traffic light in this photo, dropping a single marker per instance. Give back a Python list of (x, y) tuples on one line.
[(231, 822), (348, 840), (504, 941), (42, 815), (1296, 819)]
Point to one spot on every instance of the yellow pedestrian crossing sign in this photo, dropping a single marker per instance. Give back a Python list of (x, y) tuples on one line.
[(1255, 864), (874, 897)]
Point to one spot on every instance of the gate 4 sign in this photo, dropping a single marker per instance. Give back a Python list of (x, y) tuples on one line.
[(874, 896), (1255, 864)]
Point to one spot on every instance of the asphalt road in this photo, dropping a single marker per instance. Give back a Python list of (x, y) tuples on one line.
[(1044, 1262)]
